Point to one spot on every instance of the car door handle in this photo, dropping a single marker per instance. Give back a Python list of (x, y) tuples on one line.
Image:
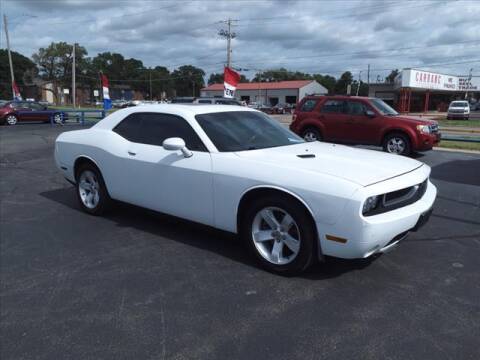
[(132, 153)]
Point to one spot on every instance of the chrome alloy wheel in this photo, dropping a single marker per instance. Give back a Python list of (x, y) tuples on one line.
[(89, 189), (396, 145), (11, 119), (57, 119), (310, 136), (276, 235)]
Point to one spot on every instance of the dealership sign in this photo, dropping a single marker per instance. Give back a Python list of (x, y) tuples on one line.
[(412, 78)]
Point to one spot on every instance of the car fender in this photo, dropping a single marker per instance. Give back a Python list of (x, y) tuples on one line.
[(406, 130), (310, 122)]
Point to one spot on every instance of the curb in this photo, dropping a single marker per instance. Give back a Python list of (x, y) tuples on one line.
[(457, 150)]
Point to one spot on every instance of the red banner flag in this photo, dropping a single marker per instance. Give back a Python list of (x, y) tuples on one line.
[(16, 91), (230, 81)]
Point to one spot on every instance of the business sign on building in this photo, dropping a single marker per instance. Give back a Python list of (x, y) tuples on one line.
[(466, 83)]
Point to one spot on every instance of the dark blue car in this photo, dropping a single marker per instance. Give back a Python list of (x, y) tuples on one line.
[(12, 112)]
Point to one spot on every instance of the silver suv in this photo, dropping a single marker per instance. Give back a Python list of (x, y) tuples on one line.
[(218, 101)]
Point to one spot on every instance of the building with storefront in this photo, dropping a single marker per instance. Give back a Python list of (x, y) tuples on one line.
[(418, 90), (270, 93)]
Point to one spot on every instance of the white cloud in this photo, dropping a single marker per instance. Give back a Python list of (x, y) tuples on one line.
[(311, 36)]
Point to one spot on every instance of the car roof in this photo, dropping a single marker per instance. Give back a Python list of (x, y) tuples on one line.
[(184, 110), (340, 97)]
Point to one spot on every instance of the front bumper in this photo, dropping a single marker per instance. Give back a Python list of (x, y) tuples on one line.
[(370, 235), (427, 141)]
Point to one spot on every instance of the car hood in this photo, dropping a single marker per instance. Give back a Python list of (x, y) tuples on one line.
[(360, 166), (416, 120)]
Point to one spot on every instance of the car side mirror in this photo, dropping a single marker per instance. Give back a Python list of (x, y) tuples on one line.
[(370, 113), (175, 144)]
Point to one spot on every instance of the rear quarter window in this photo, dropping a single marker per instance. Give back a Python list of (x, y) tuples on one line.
[(309, 105)]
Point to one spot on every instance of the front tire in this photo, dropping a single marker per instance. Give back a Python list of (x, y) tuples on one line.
[(92, 193), (311, 134), (397, 143), (280, 235), (11, 119)]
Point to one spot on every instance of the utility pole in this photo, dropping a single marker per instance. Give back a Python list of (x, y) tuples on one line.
[(9, 55), (150, 80), (468, 82), (368, 75), (359, 81), (74, 85), (229, 35)]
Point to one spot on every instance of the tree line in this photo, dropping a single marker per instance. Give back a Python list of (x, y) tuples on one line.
[(54, 64)]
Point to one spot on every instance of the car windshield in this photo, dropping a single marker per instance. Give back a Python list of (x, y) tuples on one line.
[(459, 104), (245, 130), (382, 107)]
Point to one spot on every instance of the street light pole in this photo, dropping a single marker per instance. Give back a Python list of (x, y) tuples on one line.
[(74, 87), (9, 55)]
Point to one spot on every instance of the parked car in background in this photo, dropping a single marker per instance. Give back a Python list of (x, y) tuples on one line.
[(262, 107), (458, 109), (363, 120), (182, 100), (216, 101), (236, 169), (282, 109), (119, 104), (12, 112)]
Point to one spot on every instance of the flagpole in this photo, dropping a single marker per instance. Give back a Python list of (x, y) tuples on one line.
[(9, 55)]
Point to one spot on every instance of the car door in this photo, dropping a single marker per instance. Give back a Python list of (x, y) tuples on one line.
[(23, 111), (333, 117), (163, 180), (361, 128), (37, 112)]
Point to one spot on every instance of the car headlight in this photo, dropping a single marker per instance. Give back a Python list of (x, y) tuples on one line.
[(424, 129), (370, 204)]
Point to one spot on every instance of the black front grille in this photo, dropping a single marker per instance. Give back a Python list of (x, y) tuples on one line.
[(399, 198)]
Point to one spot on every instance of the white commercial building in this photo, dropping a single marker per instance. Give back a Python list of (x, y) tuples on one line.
[(270, 93)]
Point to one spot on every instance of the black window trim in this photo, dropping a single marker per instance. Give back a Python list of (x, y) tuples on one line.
[(159, 113)]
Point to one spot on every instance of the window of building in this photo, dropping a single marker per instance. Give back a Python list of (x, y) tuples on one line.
[(291, 99)]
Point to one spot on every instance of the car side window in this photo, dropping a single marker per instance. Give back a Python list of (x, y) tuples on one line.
[(356, 108), (333, 106), (35, 107), (129, 128), (154, 128), (309, 105), (204, 101)]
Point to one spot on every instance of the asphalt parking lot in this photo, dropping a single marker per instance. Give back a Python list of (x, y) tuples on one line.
[(141, 285)]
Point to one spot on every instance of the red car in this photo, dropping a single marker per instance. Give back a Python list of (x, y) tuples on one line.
[(12, 112), (363, 120)]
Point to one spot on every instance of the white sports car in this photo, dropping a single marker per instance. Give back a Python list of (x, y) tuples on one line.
[(236, 169)]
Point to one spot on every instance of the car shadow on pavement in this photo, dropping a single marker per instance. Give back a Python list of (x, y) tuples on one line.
[(458, 171), (197, 235)]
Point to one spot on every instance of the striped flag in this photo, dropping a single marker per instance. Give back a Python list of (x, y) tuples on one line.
[(107, 103), (16, 91), (230, 81)]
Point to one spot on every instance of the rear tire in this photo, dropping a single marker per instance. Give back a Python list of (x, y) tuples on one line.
[(285, 244), (92, 193), (11, 119), (397, 143), (311, 134)]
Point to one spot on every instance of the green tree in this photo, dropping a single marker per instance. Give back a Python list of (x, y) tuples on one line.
[(24, 71), (327, 81), (217, 78), (55, 62), (188, 80), (341, 85), (391, 77), (280, 74)]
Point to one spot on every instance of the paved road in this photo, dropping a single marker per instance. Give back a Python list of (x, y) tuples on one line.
[(140, 285)]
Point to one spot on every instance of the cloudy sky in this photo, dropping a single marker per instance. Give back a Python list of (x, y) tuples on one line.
[(327, 37)]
